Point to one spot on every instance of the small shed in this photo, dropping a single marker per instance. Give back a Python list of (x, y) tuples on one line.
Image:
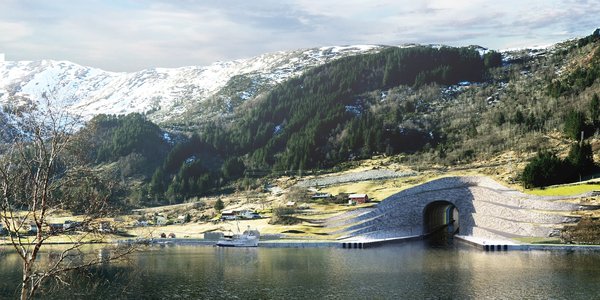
[(359, 198), (105, 227)]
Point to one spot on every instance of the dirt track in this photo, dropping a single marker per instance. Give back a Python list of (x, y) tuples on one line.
[(353, 177)]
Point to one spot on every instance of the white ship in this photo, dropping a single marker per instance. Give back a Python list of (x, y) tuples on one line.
[(249, 238)]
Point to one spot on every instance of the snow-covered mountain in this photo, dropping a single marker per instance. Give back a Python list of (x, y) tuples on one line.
[(165, 94)]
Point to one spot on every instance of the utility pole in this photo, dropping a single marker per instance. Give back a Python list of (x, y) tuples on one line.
[(580, 151)]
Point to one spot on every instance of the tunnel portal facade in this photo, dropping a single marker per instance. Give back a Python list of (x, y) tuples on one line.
[(473, 206)]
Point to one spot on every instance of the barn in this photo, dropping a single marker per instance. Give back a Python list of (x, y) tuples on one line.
[(359, 198)]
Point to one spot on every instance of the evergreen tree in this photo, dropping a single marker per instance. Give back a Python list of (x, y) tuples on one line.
[(581, 157), (595, 111), (232, 168), (545, 169), (574, 125), (219, 205), (492, 59), (518, 118), (499, 118), (157, 183)]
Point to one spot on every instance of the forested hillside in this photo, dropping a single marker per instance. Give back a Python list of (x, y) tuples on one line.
[(324, 117), (438, 106)]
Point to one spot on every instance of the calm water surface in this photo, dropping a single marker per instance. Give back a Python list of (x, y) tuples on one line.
[(405, 271)]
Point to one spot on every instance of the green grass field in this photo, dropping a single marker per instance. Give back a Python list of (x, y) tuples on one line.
[(566, 190), (539, 240)]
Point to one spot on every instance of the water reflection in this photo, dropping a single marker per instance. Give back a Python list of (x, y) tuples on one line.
[(441, 238), (412, 270)]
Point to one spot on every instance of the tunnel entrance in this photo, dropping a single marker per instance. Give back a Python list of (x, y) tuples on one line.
[(440, 224), (440, 216)]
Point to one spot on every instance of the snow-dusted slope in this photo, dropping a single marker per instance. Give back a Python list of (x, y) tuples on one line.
[(165, 93)]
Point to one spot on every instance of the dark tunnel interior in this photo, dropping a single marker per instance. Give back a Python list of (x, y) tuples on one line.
[(440, 215)]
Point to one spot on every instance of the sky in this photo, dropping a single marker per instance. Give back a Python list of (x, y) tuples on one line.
[(131, 35)]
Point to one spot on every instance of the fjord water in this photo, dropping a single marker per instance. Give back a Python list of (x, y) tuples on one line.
[(404, 271)]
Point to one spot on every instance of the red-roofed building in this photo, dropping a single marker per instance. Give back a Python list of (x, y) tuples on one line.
[(359, 198)]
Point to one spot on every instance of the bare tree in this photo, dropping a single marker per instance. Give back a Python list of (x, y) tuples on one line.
[(39, 176)]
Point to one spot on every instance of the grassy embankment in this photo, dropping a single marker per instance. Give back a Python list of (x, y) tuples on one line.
[(310, 226), (566, 189)]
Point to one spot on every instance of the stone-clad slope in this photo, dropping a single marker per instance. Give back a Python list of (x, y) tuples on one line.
[(486, 210)]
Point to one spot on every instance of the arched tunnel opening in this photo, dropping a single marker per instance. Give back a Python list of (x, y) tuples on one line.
[(440, 221)]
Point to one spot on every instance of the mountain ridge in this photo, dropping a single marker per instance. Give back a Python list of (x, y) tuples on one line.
[(163, 93)]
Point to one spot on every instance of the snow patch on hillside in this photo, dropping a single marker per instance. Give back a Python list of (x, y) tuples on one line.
[(165, 93)]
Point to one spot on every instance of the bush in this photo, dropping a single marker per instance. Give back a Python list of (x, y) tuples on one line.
[(545, 169), (341, 198), (297, 194), (219, 205), (283, 211), (284, 216)]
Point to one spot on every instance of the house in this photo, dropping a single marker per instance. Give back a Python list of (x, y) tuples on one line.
[(290, 204), (181, 219), (55, 228), (321, 196), (359, 198), (71, 225), (228, 215), (247, 214)]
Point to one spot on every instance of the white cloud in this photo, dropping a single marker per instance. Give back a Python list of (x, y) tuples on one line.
[(131, 35), (13, 31)]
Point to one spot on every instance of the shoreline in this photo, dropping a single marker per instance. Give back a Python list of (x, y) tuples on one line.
[(480, 244), (486, 245), (496, 245)]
